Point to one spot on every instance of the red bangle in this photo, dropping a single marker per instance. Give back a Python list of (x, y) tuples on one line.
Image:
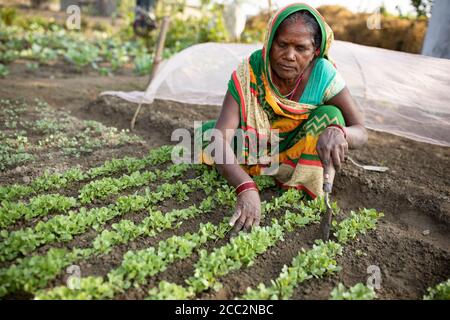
[(339, 127), (246, 186)]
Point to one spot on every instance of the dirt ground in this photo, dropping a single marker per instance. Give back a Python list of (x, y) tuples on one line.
[(411, 245)]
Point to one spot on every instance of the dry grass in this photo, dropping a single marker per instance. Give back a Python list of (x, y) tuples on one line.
[(396, 33), (401, 34)]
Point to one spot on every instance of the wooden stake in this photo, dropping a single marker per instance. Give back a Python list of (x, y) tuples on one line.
[(156, 61)]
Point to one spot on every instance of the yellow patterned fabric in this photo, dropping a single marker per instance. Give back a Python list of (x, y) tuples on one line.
[(299, 123)]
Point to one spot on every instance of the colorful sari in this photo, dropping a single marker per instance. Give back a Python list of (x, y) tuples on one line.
[(300, 123)]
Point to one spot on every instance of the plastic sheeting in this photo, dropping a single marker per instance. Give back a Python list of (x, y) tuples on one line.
[(400, 93)]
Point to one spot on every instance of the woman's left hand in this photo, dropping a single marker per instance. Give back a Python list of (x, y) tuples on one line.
[(333, 146)]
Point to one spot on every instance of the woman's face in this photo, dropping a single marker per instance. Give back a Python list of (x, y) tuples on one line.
[(292, 50)]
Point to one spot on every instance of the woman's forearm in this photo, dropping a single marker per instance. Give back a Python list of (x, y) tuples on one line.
[(356, 133), (229, 167), (356, 136), (233, 173), (224, 156)]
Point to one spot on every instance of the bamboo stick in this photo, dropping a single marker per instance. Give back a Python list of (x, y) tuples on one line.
[(156, 61)]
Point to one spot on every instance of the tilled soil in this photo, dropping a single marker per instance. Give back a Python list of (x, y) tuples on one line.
[(411, 245)]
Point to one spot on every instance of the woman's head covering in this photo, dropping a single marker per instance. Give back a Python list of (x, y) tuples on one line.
[(251, 84), (274, 24)]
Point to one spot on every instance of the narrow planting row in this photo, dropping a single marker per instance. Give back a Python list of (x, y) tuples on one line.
[(33, 273), (137, 266), (64, 227), (55, 181)]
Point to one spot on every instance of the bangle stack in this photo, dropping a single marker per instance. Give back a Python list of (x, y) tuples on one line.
[(339, 127), (246, 186)]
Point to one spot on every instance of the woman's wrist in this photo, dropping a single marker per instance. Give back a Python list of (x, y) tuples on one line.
[(246, 186), (356, 136), (339, 127), (247, 192)]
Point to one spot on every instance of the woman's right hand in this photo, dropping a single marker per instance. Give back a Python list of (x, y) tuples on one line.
[(248, 211)]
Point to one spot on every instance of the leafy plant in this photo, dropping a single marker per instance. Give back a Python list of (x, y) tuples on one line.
[(143, 64), (439, 292), (43, 54), (82, 55), (357, 292), (243, 249), (318, 261), (422, 7), (16, 276), (14, 151), (170, 291), (87, 289), (32, 66), (119, 279), (8, 56), (38, 206), (33, 272), (3, 71), (357, 223)]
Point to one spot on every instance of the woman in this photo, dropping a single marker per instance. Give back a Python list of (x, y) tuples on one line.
[(144, 19), (291, 86)]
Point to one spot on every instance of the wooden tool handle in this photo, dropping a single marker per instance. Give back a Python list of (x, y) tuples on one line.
[(328, 176)]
